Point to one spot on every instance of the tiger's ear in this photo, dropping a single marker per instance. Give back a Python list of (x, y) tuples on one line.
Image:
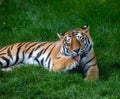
[(85, 29), (60, 35)]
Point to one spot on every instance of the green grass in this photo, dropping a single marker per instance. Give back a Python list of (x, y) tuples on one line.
[(40, 20)]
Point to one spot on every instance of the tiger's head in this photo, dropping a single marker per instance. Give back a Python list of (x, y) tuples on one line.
[(76, 43)]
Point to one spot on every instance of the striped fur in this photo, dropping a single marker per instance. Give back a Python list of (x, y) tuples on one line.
[(75, 48)]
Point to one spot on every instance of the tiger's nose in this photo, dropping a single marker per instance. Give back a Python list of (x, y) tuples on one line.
[(77, 50)]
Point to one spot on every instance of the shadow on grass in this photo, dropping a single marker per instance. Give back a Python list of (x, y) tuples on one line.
[(106, 70), (116, 66)]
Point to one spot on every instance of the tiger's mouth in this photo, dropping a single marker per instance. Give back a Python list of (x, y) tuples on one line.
[(77, 58)]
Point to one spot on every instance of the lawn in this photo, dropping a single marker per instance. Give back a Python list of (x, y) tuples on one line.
[(40, 20)]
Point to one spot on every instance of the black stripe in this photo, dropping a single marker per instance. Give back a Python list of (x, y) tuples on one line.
[(17, 54), (42, 61), (3, 49), (27, 44), (94, 64), (37, 60), (9, 53), (31, 53), (41, 44), (50, 52), (7, 61), (88, 61), (2, 53), (23, 57), (47, 48), (49, 64), (88, 40), (85, 71), (31, 46), (19, 44), (39, 54), (12, 47), (86, 45), (90, 47), (67, 50), (64, 48)]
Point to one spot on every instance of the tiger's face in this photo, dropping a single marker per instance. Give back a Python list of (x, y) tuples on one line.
[(75, 43)]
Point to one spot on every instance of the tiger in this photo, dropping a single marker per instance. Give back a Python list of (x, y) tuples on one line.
[(73, 49)]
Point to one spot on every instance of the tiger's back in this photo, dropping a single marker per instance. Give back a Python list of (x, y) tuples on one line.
[(28, 53)]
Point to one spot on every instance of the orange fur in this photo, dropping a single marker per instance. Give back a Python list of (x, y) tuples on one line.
[(55, 56)]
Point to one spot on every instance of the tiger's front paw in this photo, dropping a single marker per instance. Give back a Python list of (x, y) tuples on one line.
[(73, 65)]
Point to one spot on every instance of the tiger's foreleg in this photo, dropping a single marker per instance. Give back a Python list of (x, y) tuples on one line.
[(90, 67), (92, 73), (65, 64)]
